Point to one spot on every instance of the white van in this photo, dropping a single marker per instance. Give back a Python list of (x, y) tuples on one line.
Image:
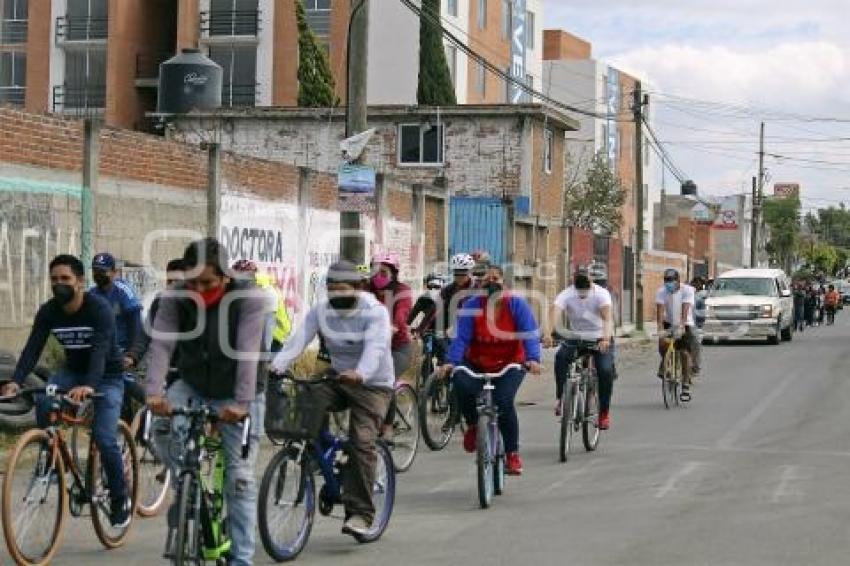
[(750, 303)]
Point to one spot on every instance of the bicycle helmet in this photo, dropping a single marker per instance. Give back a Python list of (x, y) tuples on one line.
[(387, 259), (671, 275), (461, 262)]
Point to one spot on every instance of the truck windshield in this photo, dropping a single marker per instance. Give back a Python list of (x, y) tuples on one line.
[(750, 286)]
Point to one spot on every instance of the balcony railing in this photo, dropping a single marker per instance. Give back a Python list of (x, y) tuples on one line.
[(230, 23), (81, 29), (13, 95), (79, 101), (239, 95), (13, 31)]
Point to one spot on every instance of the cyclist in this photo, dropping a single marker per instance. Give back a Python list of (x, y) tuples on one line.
[(84, 325), (458, 290), (799, 307), (215, 323), (599, 276), (675, 311), (279, 326), (357, 333), (587, 307), (830, 302), (493, 331), (423, 317), (482, 264), (120, 296)]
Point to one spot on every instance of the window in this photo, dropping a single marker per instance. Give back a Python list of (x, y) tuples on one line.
[(85, 79), (481, 80), (529, 30), (13, 77), (420, 144), (233, 17), (319, 19), (86, 20), (482, 14), (451, 8), (507, 10), (451, 60), (317, 4), (548, 149), (14, 21), (239, 66)]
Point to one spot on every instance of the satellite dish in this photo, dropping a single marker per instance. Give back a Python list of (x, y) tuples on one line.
[(352, 147)]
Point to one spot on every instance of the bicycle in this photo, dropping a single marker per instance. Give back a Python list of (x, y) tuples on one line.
[(405, 440), (197, 526), (489, 447), (288, 490), (580, 401), (439, 413), (37, 496), (675, 373)]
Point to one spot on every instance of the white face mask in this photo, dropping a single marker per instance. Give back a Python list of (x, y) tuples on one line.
[(434, 293)]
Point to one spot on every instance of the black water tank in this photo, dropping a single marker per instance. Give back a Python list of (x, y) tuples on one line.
[(189, 81), (689, 188)]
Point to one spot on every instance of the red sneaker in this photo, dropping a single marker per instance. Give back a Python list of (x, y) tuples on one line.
[(469, 438), (513, 465), (604, 421)]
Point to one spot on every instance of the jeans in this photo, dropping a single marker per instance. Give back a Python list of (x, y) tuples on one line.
[(104, 428), (240, 486), (468, 388), (604, 363)]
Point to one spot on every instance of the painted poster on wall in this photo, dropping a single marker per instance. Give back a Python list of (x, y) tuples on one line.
[(727, 218)]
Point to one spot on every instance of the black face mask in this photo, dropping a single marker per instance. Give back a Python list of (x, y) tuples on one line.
[(343, 303), (493, 288), (63, 294), (101, 279)]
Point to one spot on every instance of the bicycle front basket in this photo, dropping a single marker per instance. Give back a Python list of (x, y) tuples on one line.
[(292, 411)]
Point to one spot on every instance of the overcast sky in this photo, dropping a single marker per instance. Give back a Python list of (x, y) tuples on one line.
[(783, 61)]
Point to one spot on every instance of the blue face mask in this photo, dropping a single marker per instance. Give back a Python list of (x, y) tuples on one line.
[(670, 286)]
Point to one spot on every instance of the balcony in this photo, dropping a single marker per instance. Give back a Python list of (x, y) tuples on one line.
[(147, 68), (13, 31), (14, 95), (239, 95), (81, 30), (230, 26), (79, 101)]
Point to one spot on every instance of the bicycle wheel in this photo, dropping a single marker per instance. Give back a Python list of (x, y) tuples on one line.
[(35, 501), (405, 427), (435, 413), (498, 461), (186, 548), (590, 422), (383, 494), (154, 474), (99, 490), (566, 422), (484, 462), (287, 506)]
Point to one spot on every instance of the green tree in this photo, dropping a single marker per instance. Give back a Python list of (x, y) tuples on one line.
[(315, 80), (594, 200), (782, 217), (822, 258), (435, 81)]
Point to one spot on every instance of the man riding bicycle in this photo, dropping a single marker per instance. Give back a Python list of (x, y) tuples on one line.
[(587, 308), (461, 287), (357, 332), (493, 331), (215, 323), (675, 303), (84, 325)]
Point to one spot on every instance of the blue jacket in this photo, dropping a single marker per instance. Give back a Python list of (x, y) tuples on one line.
[(526, 326)]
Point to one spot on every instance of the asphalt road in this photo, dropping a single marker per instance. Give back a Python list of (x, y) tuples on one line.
[(752, 472)]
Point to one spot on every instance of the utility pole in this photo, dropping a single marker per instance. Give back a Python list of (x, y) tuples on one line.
[(760, 184), (639, 102), (352, 244), (754, 238), (91, 151), (213, 189)]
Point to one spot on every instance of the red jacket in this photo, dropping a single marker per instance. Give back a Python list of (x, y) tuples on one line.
[(490, 352), (401, 297)]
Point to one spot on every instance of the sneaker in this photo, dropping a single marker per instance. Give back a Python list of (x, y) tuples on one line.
[(469, 439), (557, 407), (604, 421), (121, 513), (513, 465), (356, 526), (685, 394)]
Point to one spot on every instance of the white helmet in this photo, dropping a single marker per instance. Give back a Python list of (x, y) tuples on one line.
[(461, 262)]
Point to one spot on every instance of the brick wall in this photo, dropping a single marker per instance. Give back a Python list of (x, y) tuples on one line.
[(434, 230), (581, 248)]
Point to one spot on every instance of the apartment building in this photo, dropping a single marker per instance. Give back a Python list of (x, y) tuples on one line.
[(101, 57)]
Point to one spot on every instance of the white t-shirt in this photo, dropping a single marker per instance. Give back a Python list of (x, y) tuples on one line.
[(584, 314), (673, 302)]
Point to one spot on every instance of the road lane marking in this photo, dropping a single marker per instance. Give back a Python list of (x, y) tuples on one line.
[(679, 475), (742, 426), (729, 450), (571, 475), (788, 484)]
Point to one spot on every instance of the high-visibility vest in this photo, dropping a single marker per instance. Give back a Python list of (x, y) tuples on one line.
[(283, 326)]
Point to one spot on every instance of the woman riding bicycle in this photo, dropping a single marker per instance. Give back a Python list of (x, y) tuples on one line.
[(493, 331), (357, 331)]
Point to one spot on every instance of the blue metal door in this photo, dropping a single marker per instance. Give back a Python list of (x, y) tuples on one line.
[(478, 223)]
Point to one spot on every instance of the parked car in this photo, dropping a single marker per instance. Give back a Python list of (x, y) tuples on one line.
[(750, 303)]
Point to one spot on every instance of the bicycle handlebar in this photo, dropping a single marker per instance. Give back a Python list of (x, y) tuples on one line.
[(209, 415), (50, 391), (495, 375), (328, 375)]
